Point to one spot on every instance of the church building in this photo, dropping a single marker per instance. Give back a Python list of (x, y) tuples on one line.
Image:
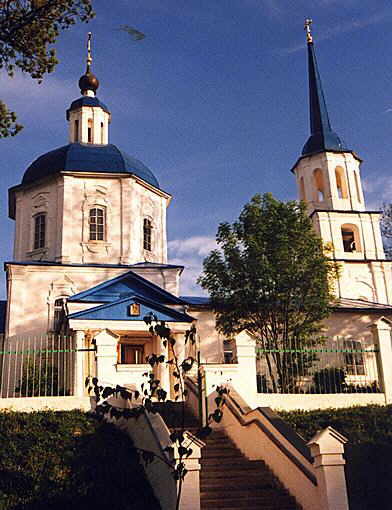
[(90, 247)]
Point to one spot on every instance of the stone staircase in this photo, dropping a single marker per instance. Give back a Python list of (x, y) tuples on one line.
[(228, 479)]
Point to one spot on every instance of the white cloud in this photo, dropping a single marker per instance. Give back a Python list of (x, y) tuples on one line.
[(190, 252), (378, 191)]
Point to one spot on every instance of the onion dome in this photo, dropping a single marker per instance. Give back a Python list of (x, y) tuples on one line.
[(88, 82), (81, 157)]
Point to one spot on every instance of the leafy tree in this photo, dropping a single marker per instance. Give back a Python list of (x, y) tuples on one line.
[(272, 278), (386, 229), (27, 29)]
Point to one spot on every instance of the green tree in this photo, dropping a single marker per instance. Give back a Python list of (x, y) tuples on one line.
[(28, 28), (386, 229), (272, 278)]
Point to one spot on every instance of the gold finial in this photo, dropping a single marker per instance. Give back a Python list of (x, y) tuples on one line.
[(308, 23), (89, 57)]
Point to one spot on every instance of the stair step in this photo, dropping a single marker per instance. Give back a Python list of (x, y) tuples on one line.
[(216, 484), (283, 503), (232, 462)]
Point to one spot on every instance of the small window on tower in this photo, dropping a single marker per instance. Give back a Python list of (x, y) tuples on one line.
[(97, 224), (90, 131), (39, 231), (76, 131), (319, 185), (340, 182), (147, 234), (350, 238), (102, 134)]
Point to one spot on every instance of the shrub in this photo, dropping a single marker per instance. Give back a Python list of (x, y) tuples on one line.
[(369, 433), (61, 460), (329, 380)]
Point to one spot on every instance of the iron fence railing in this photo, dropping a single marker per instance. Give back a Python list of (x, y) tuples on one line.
[(338, 366), (37, 366)]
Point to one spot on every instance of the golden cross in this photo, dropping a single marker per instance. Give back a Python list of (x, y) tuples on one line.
[(308, 23), (89, 57)]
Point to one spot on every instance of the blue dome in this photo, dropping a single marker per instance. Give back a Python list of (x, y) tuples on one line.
[(86, 157)]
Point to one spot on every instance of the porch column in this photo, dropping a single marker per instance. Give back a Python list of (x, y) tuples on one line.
[(327, 448), (164, 370), (106, 356), (381, 330), (79, 365)]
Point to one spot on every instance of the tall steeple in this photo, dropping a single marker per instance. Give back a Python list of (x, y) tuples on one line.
[(322, 137)]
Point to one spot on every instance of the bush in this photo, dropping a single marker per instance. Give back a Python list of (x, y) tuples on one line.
[(61, 460), (369, 433), (329, 380)]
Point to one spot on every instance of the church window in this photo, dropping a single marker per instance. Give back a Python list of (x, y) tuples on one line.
[(39, 231), (76, 131), (340, 182), (97, 224), (131, 354), (90, 131), (319, 185), (147, 234), (350, 238), (357, 186), (353, 357), (302, 189), (102, 134), (58, 313)]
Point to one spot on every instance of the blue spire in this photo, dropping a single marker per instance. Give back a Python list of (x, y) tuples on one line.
[(322, 138)]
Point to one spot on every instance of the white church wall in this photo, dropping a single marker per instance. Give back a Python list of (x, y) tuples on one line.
[(32, 291)]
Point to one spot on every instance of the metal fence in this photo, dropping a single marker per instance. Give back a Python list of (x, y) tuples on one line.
[(41, 366), (338, 366)]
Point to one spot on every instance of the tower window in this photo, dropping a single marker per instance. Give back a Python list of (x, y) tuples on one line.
[(147, 234), (319, 185), (39, 231), (97, 224), (340, 182), (357, 186), (102, 134), (302, 195), (76, 131), (350, 238), (90, 131)]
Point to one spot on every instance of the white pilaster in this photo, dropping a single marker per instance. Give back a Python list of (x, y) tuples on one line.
[(79, 365), (381, 330)]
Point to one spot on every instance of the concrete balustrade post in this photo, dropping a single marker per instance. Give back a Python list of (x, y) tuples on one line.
[(190, 493), (381, 330), (246, 381), (327, 448)]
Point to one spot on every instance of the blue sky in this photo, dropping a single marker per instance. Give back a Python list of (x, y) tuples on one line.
[(214, 101)]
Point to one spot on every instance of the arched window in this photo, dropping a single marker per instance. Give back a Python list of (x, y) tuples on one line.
[(90, 131), (357, 186), (302, 195), (58, 313), (341, 184), (319, 185), (97, 224), (350, 238), (39, 231), (147, 234), (76, 130)]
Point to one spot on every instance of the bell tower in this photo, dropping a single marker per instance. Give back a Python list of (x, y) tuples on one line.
[(329, 181)]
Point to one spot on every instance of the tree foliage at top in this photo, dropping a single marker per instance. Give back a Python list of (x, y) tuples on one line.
[(28, 28), (386, 229), (272, 278)]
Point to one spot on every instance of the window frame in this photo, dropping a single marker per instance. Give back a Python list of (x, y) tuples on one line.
[(97, 234), (354, 362), (40, 228), (137, 350), (147, 234)]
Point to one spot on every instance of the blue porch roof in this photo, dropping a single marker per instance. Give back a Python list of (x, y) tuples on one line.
[(124, 286), (119, 311)]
